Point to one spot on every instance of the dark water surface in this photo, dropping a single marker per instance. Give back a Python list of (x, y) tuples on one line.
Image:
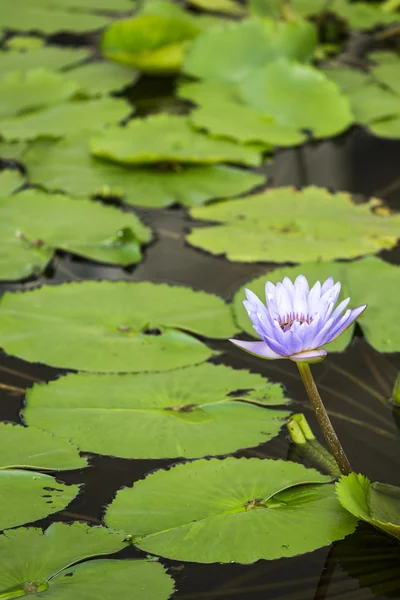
[(355, 385)]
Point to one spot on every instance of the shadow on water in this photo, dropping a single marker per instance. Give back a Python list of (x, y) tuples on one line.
[(355, 385)]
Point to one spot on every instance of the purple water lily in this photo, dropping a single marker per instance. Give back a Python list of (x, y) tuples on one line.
[(296, 322)]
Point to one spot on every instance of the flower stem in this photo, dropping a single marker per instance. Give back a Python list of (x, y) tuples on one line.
[(323, 418)]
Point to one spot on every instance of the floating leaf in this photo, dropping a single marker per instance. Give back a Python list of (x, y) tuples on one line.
[(167, 138), (234, 510), (387, 128), (151, 43), (287, 225), (347, 79), (68, 166), (360, 15), (30, 448), (48, 57), (98, 78), (91, 5), (12, 151), (22, 91), (24, 43), (371, 103), (376, 503), (191, 412), (387, 72), (34, 224), (27, 496), (66, 120), (297, 96), (231, 52), (112, 327), (25, 15), (10, 180), (229, 7), (223, 114), (379, 322)]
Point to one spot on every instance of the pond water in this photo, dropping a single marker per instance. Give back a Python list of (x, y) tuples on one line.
[(355, 385)]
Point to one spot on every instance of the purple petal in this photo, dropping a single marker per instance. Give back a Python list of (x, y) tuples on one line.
[(310, 355), (301, 285), (328, 301), (283, 302), (327, 285), (258, 348), (289, 286), (345, 323), (313, 298), (340, 308), (254, 300), (270, 291)]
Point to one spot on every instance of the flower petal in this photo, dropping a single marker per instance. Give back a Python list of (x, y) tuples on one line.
[(311, 356), (345, 323), (327, 285), (283, 302), (258, 348)]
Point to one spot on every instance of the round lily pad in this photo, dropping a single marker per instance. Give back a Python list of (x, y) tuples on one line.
[(101, 77), (168, 138), (190, 412), (287, 225), (234, 510), (112, 326), (34, 224), (10, 180), (68, 166), (48, 57)]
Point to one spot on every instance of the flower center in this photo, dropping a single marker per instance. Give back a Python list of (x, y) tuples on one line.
[(287, 320)]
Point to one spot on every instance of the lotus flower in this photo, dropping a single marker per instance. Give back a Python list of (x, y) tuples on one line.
[(296, 321)]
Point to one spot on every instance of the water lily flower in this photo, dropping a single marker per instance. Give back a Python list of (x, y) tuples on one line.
[(297, 321)]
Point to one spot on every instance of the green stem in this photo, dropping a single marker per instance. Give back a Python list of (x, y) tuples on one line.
[(323, 418)]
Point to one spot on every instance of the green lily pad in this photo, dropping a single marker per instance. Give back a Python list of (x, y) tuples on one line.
[(229, 7), (222, 113), (12, 151), (376, 503), (45, 563), (371, 103), (31, 90), (92, 5), (23, 43), (112, 327), (387, 72), (48, 57), (191, 412), (68, 166), (387, 128), (25, 15), (379, 322), (167, 138), (362, 15), (347, 79), (234, 510), (98, 78), (287, 225), (30, 448), (33, 224), (10, 180), (66, 120), (27, 496), (231, 52), (298, 96), (151, 43)]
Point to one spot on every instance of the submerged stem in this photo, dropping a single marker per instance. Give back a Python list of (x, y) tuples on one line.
[(323, 418)]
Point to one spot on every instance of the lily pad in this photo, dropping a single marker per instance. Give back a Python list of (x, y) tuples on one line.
[(379, 323), (299, 96), (228, 7), (10, 181), (34, 224), (30, 448), (192, 412), (66, 120), (371, 103), (387, 72), (234, 510), (168, 138), (25, 15), (27, 496), (112, 327), (231, 52), (92, 5), (12, 151), (376, 503), (151, 43), (31, 90), (363, 15), (223, 114), (98, 78), (387, 128), (23, 43), (68, 166), (287, 225), (48, 57)]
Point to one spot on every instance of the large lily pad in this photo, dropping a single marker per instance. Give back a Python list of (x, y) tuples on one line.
[(30, 448), (33, 224), (48, 57), (299, 96), (376, 503), (379, 322), (10, 180), (151, 43), (235, 510), (30, 90), (167, 138), (387, 72), (193, 412), (66, 120), (101, 77), (229, 53), (68, 166), (286, 225), (112, 327)]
